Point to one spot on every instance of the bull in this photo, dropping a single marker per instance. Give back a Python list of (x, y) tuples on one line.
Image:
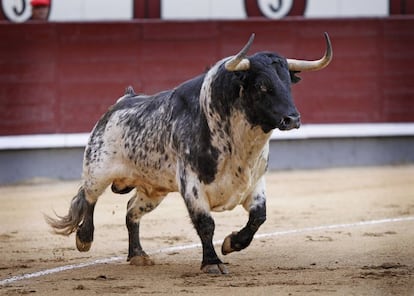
[(208, 139)]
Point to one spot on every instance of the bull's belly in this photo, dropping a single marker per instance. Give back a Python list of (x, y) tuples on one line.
[(153, 183)]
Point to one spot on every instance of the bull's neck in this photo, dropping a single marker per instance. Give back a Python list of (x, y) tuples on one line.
[(236, 137), (230, 133), (245, 137)]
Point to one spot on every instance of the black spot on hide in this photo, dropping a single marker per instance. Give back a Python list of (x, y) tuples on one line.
[(192, 136), (195, 193), (183, 182), (203, 155)]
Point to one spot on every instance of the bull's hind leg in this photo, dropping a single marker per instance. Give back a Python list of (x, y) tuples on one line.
[(79, 219), (238, 241), (80, 214), (84, 234), (139, 205)]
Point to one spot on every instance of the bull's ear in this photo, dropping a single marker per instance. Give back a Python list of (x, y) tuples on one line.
[(293, 77)]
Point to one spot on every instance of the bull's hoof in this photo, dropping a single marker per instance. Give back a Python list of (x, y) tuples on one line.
[(143, 260), (82, 246), (226, 246), (215, 269)]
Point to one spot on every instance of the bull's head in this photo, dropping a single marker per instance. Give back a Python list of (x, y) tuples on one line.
[(265, 79)]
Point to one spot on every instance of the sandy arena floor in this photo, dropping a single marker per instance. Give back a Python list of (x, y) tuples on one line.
[(329, 232)]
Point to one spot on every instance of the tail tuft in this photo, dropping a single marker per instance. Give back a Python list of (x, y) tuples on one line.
[(65, 225)]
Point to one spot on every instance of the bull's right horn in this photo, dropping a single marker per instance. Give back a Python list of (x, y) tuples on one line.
[(239, 61), (301, 65)]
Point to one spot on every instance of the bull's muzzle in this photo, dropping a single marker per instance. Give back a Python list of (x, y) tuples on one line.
[(289, 122)]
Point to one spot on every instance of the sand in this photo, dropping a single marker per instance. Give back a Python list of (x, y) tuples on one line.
[(318, 240)]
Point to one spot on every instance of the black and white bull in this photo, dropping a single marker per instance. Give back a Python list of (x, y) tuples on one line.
[(207, 139)]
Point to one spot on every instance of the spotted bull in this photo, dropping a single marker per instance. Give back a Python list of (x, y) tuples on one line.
[(208, 139)]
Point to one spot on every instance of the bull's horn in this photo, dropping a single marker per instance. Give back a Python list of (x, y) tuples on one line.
[(301, 65), (239, 61)]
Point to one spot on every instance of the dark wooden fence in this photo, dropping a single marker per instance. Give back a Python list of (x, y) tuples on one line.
[(60, 77)]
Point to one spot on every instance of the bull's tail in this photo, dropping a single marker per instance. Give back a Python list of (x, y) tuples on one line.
[(65, 225)]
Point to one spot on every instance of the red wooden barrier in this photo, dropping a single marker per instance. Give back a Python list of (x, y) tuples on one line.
[(60, 77)]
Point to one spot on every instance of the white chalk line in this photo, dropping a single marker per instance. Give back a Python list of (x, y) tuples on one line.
[(198, 245)]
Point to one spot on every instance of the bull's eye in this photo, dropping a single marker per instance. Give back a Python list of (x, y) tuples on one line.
[(263, 88)]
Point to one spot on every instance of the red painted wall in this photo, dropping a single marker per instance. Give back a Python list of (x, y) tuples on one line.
[(60, 77)]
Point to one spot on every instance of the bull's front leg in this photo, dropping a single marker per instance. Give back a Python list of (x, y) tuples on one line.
[(203, 223), (256, 206)]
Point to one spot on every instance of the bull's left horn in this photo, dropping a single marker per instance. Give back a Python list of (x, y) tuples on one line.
[(239, 61), (301, 65)]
